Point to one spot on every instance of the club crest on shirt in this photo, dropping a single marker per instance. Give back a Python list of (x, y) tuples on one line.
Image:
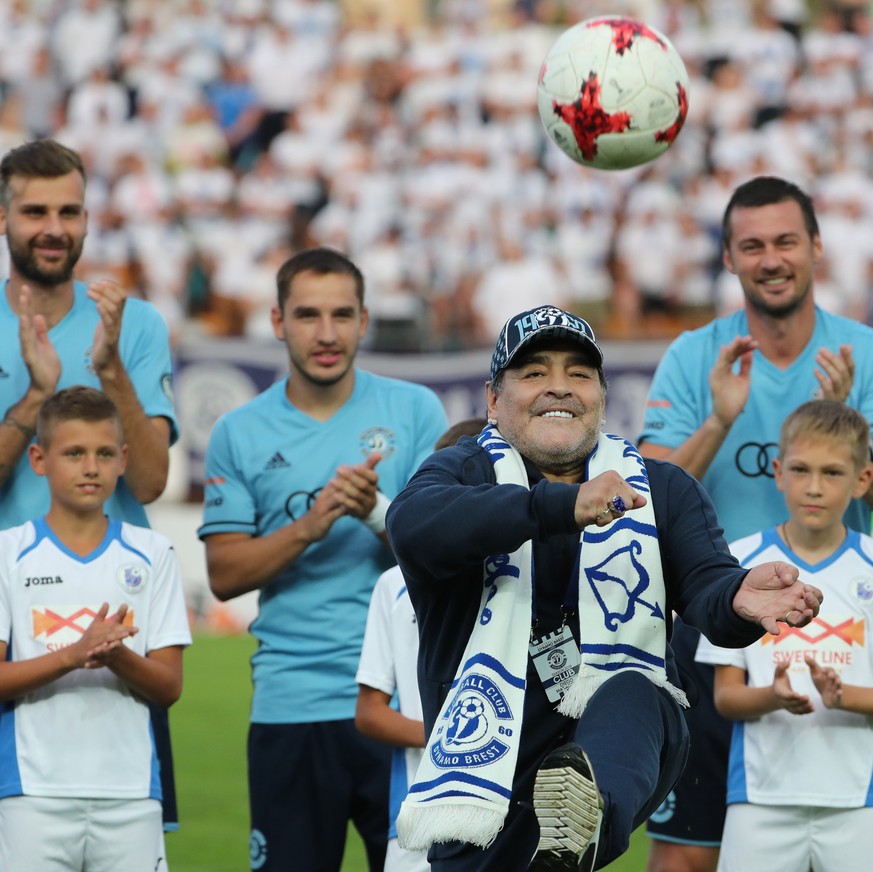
[(469, 731), (133, 577), (377, 439), (862, 590)]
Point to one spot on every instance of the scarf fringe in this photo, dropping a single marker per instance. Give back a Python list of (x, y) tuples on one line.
[(418, 828), (580, 691), (587, 682)]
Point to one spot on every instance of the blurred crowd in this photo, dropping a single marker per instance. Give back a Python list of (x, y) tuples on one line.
[(222, 135)]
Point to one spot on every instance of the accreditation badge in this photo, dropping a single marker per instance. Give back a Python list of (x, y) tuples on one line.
[(557, 661)]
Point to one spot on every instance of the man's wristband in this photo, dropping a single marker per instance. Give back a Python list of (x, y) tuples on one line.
[(23, 429), (375, 521)]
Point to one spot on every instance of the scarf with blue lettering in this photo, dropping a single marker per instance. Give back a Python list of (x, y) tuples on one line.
[(463, 785)]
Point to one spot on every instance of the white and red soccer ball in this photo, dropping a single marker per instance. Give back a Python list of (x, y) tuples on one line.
[(613, 93)]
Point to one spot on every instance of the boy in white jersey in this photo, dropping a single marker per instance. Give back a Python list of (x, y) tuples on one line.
[(388, 668), (92, 628), (800, 779)]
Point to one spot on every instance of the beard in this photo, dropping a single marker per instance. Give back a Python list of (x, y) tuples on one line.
[(316, 377), (777, 310), (560, 460), (558, 455), (28, 266)]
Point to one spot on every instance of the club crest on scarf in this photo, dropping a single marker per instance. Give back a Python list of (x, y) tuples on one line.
[(469, 734)]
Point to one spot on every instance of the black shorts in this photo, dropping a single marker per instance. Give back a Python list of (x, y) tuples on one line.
[(306, 782), (161, 733), (693, 813)]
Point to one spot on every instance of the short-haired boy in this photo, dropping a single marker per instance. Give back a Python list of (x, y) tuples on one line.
[(800, 778), (92, 627)]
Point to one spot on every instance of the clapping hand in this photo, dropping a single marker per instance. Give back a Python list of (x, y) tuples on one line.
[(730, 390), (789, 699), (837, 373), (104, 636), (39, 354), (827, 682), (109, 298)]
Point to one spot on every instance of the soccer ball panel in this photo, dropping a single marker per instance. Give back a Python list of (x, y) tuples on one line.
[(613, 93)]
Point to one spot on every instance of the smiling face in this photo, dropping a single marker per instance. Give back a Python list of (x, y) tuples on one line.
[(45, 224), (773, 255), (550, 406), (82, 461), (321, 323), (819, 477)]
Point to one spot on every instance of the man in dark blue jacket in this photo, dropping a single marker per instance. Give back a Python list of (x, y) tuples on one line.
[(544, 560)]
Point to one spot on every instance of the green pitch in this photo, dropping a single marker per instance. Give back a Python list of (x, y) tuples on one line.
[(209, 728)]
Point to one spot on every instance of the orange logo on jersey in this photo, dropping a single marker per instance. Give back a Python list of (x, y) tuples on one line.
[(47, 622), (850, 631), (658, 404)]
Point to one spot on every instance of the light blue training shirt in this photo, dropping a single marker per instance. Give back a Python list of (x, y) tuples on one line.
[(265, 462)]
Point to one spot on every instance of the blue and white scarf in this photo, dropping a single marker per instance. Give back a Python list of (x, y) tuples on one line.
[(464, 782)]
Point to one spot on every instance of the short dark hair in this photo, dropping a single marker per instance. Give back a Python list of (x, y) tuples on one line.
[(829, 420), (77, 403), (40, 159), (765, 191), (321, 261)]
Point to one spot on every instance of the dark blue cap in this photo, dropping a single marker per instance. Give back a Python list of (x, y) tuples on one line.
[(535, 324)]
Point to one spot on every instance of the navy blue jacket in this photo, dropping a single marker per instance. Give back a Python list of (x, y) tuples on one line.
[(452, 515)]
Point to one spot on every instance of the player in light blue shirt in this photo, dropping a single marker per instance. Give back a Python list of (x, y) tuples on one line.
[(297, 485), (739, 477), (144, 350), (715, 407), (267, 463)]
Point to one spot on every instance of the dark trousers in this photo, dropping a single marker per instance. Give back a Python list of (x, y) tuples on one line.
[(306, 783), (635, 736)]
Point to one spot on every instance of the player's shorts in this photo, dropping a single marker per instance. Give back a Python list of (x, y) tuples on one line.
[(101, 835), (693, 813), (306, 783), (796, 839), (161, 733)]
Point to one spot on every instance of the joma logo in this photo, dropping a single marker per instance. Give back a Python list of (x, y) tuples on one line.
[(42, 579)]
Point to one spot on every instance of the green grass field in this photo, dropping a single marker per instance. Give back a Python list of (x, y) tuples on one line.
[(209, 733)]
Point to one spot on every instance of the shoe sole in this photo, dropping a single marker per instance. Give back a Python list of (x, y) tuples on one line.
[(569, 810)]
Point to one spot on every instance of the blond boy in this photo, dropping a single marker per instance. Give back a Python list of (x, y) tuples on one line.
[(800, 780)]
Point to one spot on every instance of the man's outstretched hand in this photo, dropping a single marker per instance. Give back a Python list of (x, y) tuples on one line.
[(772, 593)]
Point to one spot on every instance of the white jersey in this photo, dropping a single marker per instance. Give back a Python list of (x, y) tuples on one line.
[(389, 659), (824, 758), (85, 735)]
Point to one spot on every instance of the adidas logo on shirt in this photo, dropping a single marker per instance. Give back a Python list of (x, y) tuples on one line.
[(277, 462), (3, 373)]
